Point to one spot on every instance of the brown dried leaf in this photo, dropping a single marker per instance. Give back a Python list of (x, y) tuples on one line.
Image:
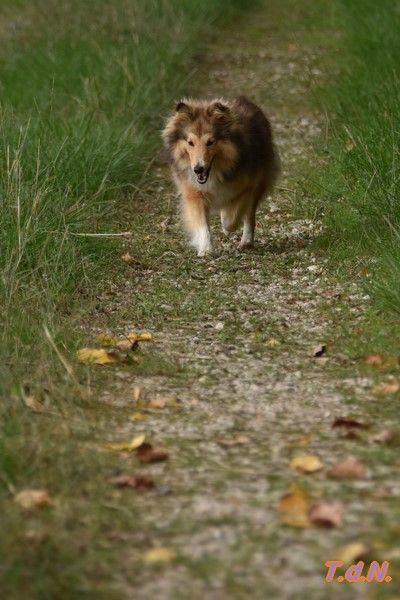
[(125, 345), (350, 468), (306, 463), (388, 387), (97, 356), (327, 513), (349, 423), (147, 454), (137, 482), (128, 259), (386, 436), (31, 499), (237, 440), (293, 507), (34, 404), (373, 359)]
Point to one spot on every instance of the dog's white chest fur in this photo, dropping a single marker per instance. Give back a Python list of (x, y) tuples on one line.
[(217, 192)]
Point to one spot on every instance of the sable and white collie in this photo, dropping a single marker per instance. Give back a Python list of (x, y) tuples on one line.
[(223, 160)]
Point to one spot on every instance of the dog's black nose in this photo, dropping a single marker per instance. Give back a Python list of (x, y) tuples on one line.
[(198, 169)]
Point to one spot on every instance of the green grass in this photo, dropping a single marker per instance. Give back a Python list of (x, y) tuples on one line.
[(358, 189), (83, 90)]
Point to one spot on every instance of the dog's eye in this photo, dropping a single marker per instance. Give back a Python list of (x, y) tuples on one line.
[(210, 143), (190, 143)]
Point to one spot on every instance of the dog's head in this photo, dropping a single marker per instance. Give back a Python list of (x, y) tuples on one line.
[(196, 135)]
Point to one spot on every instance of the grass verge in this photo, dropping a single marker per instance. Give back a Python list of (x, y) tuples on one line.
[(83, 90), (358, 187)]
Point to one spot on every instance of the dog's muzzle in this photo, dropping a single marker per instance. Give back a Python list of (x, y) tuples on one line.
[(201, 173)]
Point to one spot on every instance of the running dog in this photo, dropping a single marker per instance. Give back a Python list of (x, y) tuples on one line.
[(223, 160)]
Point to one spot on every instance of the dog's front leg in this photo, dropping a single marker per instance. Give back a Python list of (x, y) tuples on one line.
[(195, 214)]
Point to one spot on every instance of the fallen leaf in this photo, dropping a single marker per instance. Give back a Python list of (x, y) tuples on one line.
[(30, 499), (139, 337), (159, 555), (373, 359), (351, 553), (237, 440), (34, 404), (272, 343), (349, 145), (303, 440), (388, 387), (292, 47), (327, 513), (128, 259), (386, 436), (136, 393), (127, 446), (349, 423), (137, 416), (350, 468), (293, 507), (319, 350), (137, 482), (147, 454), (106, 339), (306, 463), (98, 356), (125, 345), (160, 403)]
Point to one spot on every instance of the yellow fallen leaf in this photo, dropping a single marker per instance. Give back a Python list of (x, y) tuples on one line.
[(97, 356), (137, 416), (307, 463), (350, 553), (106, 339), (30, 499), (139, 337), (136, 393), (160, 403), (159, 555), (272, 343), (127, 446), (293, 507)]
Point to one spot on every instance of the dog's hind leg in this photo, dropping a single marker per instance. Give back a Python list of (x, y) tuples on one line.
[(249, 219), (230, 219), (249, 224)]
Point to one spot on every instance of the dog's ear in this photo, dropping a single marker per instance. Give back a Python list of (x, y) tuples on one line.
[(183, 107), (218, 109)]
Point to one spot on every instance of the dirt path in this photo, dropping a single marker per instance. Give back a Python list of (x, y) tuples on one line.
[(234, 337)]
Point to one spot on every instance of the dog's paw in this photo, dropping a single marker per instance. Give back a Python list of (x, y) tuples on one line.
[(204, 252), (245, 245)]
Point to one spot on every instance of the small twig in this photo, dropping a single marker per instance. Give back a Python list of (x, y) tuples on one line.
[(123, 234), (62, 359)]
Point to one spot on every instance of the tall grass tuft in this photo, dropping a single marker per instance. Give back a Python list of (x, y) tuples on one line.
[(83, 86), (359, 189)]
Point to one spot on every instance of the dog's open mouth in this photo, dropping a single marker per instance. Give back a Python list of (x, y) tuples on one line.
[(202, 177)]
